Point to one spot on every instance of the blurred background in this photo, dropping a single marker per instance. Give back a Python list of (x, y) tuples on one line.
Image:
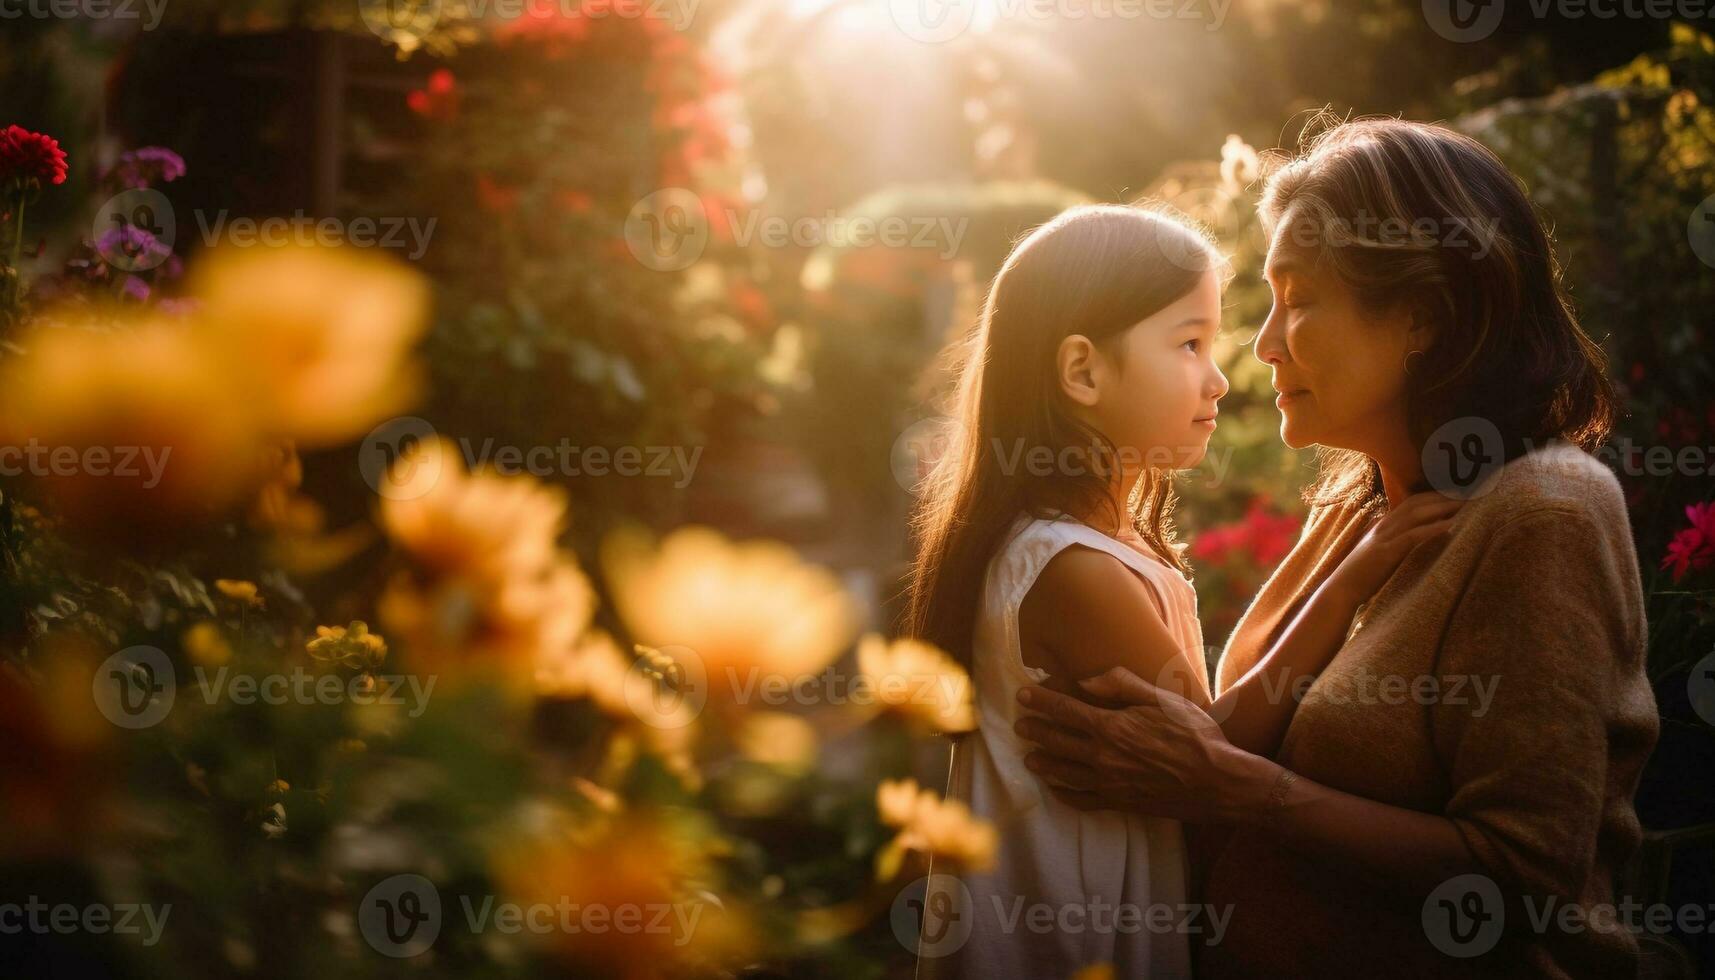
[(671, 264)]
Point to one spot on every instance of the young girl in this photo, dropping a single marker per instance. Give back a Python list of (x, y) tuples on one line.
[(1046, 551)]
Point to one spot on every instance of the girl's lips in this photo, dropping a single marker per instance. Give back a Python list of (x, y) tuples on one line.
[(1287, 396)]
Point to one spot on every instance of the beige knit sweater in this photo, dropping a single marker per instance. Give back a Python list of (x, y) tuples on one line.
[(1498, 679)]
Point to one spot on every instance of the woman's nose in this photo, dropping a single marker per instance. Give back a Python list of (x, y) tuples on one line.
[(1269, 346)]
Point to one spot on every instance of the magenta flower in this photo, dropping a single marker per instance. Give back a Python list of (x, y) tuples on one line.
[(1693, 548), (145, 166)]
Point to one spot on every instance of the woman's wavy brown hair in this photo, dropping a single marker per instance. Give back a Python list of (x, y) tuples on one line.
[(1095, 270), (1508, 346)]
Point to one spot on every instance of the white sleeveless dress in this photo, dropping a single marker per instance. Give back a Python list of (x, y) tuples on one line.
[(1081, 866)]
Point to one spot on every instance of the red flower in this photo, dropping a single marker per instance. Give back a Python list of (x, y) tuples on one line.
[(1264, 537), (439, 99), (1693, 548), (31, 156)]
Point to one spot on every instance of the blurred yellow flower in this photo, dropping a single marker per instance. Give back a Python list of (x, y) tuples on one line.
[(205, 646), (350, 646), (475, 524), (321, 338), (239, 589), (778, 739), (750, 611), (1095, 971), (637, 866), (930, 825), (131, 432), (488, 587), (917, 680)]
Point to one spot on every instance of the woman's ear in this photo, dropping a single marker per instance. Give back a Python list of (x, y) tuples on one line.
[(1075, 369), (1420, 332)]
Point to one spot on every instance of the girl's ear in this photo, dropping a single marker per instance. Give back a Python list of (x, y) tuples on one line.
[(1075, 369)]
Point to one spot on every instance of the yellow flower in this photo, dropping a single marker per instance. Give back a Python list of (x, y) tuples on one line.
[(749, 611), (470, 524), (133, 432), (238, 589), (634, 861), (919, 681), (594, 667), (929, 825), (489, 587), (503, 628), (319, 337), (778, 739), (205, 646), (351, 646), (1095, 971)]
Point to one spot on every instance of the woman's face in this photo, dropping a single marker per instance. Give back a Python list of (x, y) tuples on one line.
[(1339, 369)]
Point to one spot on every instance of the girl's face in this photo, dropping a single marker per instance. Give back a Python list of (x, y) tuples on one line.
[(1339, 369), (1155, 398)]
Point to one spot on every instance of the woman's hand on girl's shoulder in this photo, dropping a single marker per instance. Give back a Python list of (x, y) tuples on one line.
[(1420, 517)]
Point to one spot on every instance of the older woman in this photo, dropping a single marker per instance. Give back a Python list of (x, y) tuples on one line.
[(1451, 793)]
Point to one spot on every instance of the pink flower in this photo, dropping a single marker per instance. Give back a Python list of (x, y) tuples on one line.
[(31, 156), (1693, 548)]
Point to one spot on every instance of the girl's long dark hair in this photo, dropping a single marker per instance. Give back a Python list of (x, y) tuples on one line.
[(1095, 270)]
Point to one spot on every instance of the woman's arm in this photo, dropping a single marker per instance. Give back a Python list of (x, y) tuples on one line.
[(1255, 710), (1145, 756)]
